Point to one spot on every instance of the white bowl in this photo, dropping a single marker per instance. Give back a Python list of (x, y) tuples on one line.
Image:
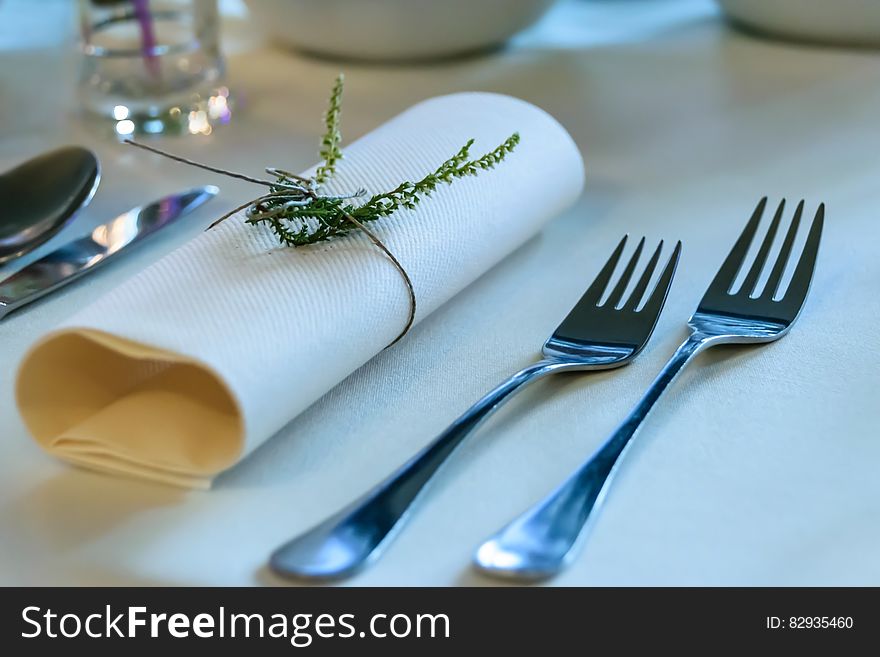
[(844, 22), (394, 29)]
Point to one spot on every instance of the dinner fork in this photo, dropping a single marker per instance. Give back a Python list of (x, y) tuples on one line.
[(544, 539), (593, 336)]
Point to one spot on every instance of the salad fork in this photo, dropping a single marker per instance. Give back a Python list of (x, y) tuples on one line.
[(593, 336), (544, 539)]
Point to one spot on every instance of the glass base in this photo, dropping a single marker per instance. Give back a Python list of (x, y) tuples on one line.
[(199, 115)]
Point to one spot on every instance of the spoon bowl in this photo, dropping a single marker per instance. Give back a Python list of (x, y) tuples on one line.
[(41, 196)]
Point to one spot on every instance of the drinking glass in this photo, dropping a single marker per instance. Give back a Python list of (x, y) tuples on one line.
[(153, 66)]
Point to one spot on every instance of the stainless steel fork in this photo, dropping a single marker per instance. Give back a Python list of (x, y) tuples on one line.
[(591, 337), (543, 540)]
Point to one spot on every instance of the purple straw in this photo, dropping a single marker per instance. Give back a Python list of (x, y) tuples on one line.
[(148, 37)]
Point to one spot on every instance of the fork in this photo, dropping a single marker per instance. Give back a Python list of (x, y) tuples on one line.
[(544, 539), (593, 336)]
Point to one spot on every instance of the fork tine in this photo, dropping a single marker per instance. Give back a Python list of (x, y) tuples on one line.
[(655, 302), (723, 280), (782, 259), (800, 281), (751, 279), (639, 290), (620, 288), (597, 287)]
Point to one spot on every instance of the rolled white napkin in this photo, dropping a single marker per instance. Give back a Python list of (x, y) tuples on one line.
[(183, 370)]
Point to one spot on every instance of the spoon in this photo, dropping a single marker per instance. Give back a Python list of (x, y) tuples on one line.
[(41, 196)]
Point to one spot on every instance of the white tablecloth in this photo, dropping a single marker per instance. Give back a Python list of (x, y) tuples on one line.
[(759, 467)]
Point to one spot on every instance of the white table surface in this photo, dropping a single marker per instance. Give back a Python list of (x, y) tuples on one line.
[(759, 467)]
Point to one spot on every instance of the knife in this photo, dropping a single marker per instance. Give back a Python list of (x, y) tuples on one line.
[(105, 242)]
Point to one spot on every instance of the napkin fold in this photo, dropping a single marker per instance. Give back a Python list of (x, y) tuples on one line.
[(180, 372)]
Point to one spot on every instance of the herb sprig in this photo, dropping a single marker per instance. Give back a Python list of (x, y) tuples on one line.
[(330, 151), (304, 216)]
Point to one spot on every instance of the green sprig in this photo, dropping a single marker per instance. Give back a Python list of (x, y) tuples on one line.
[(330, 151)]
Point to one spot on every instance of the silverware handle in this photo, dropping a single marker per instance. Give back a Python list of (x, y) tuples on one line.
[(348, 540), (542, 541)]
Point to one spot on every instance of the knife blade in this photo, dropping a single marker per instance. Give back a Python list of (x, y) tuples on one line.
[(102, 245)]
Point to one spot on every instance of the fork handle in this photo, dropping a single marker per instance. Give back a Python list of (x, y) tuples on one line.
[(542, 541), (351, 538)]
